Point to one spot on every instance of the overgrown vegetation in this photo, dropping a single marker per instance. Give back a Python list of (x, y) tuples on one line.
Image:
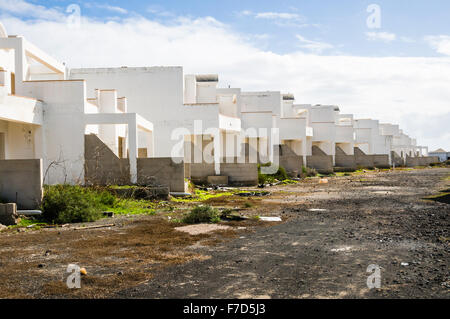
[(201, 195), (308, 172), (133, 207), (202, 214), (74, 204), (280, 175)]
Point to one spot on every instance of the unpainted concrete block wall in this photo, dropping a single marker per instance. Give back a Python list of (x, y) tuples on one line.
[(201, 171), (343, 160), (240, 174), (291, 162), (421, 161), (245, 174), (161, 172), (363, 160), (102, 166), (320, 161), (381, 161), (21, 182)]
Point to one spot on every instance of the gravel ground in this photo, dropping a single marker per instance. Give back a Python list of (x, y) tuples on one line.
[(333, 233)]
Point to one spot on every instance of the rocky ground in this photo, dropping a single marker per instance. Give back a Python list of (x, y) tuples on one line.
[(355, 221), (329, 236)]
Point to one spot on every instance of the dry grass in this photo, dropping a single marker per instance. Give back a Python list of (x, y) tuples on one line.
[(115, 258)]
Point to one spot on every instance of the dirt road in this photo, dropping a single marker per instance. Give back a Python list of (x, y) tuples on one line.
[(355, 222)]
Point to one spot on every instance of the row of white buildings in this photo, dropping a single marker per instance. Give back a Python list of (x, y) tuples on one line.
[(49, 113)]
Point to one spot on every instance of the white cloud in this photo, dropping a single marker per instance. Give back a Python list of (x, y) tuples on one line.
[(314, 46), (283, 19), (381, 36), (410, 91), (109, 8), (440, 43), (277, 15), (25, 9)]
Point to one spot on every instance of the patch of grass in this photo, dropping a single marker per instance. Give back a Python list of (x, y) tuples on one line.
[(133, 207), (123, 186), (25, 222), (74, 204), (289, 181), (202, 214), (201, 196)]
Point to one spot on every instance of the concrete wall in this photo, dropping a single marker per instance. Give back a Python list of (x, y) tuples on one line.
[(381, 161), (420, 161), (161, 172), (363, 160), (291, 162), (239, 174), (201, 171), (21, 182), (102, 166), (320, 161), (342, 160)]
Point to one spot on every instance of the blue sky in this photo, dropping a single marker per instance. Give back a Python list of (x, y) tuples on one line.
[(321, 51), (341, 24)]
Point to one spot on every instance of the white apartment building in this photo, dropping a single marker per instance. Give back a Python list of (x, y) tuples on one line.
[(43, 115)]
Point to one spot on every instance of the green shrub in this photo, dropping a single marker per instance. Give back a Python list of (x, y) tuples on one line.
[(280, 175), (202, 214), (308, 172), (74, 204)]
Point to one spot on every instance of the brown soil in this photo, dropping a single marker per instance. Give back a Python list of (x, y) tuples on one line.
[(374, 218)]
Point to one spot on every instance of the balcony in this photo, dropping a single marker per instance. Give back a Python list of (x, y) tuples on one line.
[(20, 109)]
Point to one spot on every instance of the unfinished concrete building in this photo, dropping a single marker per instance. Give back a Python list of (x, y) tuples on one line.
[(52, 133)]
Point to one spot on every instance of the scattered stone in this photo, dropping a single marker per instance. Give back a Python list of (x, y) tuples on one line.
[(405, 264), (2, 227)]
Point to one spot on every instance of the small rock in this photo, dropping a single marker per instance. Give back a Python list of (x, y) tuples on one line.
[(41, 265), (83, 271)]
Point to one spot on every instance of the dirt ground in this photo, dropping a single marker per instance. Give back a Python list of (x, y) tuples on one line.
[(330, 234)]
